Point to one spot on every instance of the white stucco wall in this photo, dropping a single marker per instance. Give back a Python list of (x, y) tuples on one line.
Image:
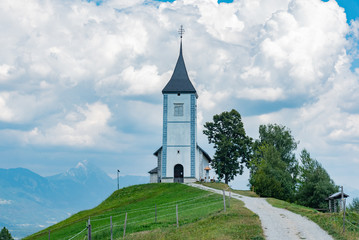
[(153, 178), (173, 158), (182, 98), (179, 135)]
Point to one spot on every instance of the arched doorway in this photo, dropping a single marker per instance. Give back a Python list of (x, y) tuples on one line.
[(178, 173)]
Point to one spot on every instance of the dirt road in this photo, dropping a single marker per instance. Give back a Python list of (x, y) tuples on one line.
[(277, 223)]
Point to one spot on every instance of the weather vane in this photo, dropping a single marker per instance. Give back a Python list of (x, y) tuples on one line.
[(181, 31)]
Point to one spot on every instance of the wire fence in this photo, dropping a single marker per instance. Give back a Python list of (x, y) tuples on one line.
[(114, 223)]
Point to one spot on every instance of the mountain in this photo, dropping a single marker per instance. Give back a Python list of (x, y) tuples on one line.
[(30, 202)]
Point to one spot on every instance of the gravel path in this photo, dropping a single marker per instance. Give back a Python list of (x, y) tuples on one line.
[(277, 223)]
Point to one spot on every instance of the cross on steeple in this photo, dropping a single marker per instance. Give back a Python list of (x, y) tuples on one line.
[(181, 31)]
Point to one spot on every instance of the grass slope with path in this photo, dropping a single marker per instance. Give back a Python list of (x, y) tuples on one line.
[(201, 216), (330, 222)]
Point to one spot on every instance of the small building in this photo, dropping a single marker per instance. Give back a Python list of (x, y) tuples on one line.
[(180, 159), (335, 201), (153, 175)]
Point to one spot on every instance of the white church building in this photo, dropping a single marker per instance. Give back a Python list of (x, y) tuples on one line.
[(180, 159)]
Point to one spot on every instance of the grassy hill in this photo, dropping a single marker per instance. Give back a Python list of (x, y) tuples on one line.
[(201, 216)]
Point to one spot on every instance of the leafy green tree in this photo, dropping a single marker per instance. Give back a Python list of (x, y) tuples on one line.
[(271, 178), (5, 234), (281, 139), (233, 146), (314, 183), (354, 206)]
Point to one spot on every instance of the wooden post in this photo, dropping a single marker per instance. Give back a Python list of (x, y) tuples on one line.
[(89, 230), (342, 201), (111, 227), (344, 215), (155, 213), (124, 227), (49, 234), (330, 205), (335, 205), (177, 214), (224, 200), (229, 201)]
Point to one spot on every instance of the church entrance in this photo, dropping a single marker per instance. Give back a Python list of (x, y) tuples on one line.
[(178, 173)]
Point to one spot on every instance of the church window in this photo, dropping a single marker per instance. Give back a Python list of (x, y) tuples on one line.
[(178, 107)]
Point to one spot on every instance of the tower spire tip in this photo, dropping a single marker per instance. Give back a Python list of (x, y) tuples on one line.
[(181, 31)]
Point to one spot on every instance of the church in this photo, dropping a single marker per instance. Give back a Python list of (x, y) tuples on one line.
[(180, 159)]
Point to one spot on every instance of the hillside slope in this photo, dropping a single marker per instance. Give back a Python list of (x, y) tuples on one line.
[(201, 216), (30, 202)]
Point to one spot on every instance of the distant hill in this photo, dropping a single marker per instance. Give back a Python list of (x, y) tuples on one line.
[(30, 202)]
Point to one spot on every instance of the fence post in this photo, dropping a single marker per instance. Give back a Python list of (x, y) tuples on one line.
[(49, 234), (229, 201), (111, 226), (155, 213), (89, 230), (177, 214), (124, 227), (342, 198), (224, 200), (344, 215)]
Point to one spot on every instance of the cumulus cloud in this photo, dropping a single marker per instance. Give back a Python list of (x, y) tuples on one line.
[(85, 127), (133, 81), (112, 61), (17, 107)]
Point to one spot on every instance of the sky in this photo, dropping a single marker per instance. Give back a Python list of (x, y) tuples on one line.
[(82, 80)]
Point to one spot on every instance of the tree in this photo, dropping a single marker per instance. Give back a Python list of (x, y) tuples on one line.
[(5, 234), (271, 178), (314, 183), (354, 206), (233, 146), (281, 138), (284, 143)]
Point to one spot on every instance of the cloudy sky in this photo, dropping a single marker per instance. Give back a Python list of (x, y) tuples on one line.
[(82, 80)]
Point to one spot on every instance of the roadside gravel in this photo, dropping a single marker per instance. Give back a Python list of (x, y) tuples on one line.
[(277, 223)]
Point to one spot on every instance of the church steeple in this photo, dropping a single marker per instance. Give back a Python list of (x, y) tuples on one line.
[(180, 82), (180, 159)]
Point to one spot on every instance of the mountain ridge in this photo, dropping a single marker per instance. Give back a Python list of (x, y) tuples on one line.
[(24, 193)]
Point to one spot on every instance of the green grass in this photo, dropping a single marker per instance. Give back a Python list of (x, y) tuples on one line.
[(236, 223), (330, 222), (196, 207), (224, 186)]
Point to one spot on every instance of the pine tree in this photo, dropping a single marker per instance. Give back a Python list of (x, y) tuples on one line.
[(5, 234)]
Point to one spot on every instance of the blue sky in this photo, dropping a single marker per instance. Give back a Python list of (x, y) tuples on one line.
[(83, 80)]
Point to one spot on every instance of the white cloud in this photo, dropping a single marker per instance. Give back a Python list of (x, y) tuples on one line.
[(86, 127), (5, 202), (133, 81), (6, 71), (119, 55), (16, 107)]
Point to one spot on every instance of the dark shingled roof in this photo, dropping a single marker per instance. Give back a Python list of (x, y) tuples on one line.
[(179, 82), (155, 170), (337, 195)]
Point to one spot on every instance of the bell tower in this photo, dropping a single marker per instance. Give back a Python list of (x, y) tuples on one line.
[(180, 159)]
